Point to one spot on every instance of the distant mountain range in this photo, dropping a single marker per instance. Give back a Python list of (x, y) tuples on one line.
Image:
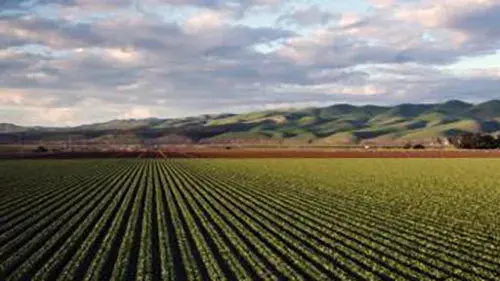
[(336, 124)]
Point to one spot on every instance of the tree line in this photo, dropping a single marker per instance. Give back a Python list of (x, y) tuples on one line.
[(475, 141)]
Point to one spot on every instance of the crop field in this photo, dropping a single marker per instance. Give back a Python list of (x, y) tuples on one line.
[(250, 219)]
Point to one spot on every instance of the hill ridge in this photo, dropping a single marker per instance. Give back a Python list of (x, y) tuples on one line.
[(343, 123)]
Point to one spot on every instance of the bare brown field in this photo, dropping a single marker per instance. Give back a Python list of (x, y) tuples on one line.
[(314, 153), (262, 153)]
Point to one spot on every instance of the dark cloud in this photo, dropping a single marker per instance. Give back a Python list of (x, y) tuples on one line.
[(236, 7), (187, 65), (480, 22), (239, 7), (19, 5), (47, 32)]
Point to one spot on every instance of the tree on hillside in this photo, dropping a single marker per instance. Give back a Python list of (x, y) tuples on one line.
[(475, 141), (418, 146), (41, 149)]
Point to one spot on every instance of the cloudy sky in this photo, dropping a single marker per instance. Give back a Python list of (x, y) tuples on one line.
[(67, 62)]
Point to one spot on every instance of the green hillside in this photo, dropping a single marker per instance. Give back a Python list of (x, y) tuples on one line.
[(336, 124)]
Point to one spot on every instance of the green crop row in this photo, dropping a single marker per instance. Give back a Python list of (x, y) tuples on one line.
[(291, 219)]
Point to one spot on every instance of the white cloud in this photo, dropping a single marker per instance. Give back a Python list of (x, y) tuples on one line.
[(382, 3), (122, 54), (137, 113), (57, 115), (128, 87), (347, 19), (206, 19), (465, 20), (11, 98)]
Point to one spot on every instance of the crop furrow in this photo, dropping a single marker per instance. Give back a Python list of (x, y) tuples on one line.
[(223, 249), (108, 250), (61, 260)]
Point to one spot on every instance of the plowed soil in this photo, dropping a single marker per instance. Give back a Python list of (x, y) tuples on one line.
[(264, 153)]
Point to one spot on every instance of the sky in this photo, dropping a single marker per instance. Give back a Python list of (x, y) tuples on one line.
[(69, 62)]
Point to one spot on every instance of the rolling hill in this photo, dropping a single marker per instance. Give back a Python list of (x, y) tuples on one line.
[(335, 124)]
